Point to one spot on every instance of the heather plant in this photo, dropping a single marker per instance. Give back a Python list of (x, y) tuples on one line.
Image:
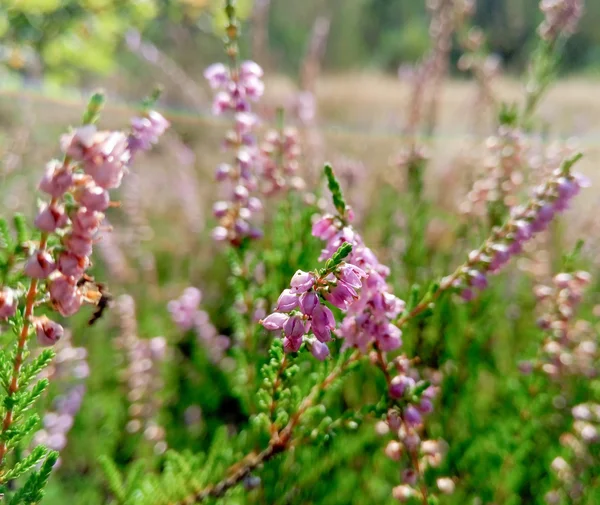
[(293, 347)]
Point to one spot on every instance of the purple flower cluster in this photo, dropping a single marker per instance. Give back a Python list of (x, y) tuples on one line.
[(560, 17), (94, 163), (369, 317), (145, 131), (68, 370), (405, 422), (301, 310), (548, 200), (237, 88), (186, 314)]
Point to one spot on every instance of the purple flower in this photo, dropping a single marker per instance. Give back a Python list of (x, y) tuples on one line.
[(294, 328), (319, 350), (291, 344), (287, 301), (302, 281), (412, 416), (308, 301), (274, 321)]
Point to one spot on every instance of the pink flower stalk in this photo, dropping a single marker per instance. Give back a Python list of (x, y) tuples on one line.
[(279, 152), (548, 200), (301, 310), (237, 87), (561, 18), (369, 316), (95, 162)]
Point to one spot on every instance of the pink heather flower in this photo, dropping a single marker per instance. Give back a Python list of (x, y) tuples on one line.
[(8, 303), (274, 321), (85, 222), (388, 337), (93, 197), (56, 180), (220, 234), (39, 265), (294, 328), (105, 158), (324, 228), (47, 331), (78, 245), (308, 302), (250, 69), (71, 265), (50, 218), (287, 301), (146, 131), (184, 310), (217, 75), (399, 385), (341, 295), (412, 416), (64, 295), (302, 281), (319, 350), (291, 344), (322, 323)]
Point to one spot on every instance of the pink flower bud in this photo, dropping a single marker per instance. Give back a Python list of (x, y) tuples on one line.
[(294, 328), (93, 197), (393, 450), (51, 218), (274, 321), (8, 303), (322, 323), (291, 344), (308, 302), (86, 222), (71, 265), (319, 350), (64, 295), (78, 245), (302, 281), (47, 331), (217, 75), (40, 265), (287, 301), (56, 180)]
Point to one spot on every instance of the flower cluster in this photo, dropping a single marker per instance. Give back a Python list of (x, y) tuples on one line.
[(548, 200), (94, 163), (68, 370), (237, 87), (142, 360), (280, 151), (369, 317), (186, 314), (561, 17), (301, 310), (503, 165), (405, 422), (569, 350)]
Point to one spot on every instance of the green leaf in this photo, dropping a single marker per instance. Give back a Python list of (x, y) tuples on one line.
[(336, 191), (26, 464)]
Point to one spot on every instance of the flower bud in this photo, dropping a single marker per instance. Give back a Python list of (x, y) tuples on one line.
[(39, 265), (8, 303), (47, 331)]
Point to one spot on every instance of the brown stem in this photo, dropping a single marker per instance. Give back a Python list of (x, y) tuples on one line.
[(280, 442)]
